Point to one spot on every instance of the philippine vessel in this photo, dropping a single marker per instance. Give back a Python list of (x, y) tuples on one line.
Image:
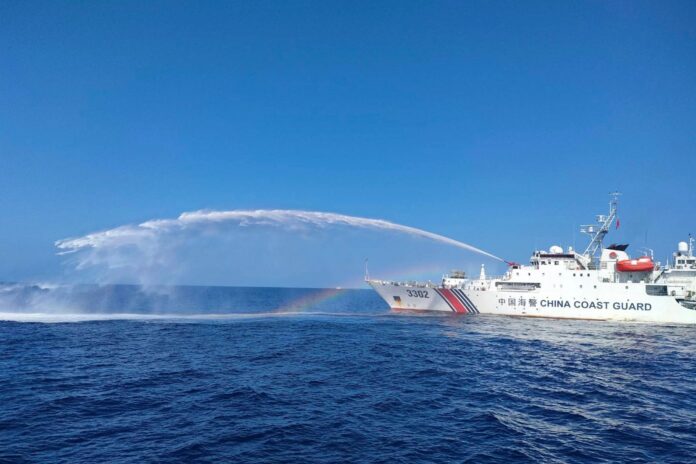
[(601, 283)]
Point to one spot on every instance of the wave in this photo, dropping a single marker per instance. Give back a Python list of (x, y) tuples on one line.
[(48, 317)]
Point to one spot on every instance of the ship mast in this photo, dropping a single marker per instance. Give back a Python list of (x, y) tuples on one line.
[(601, 229)]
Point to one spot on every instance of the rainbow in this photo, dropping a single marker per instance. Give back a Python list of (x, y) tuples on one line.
[(311, 299), (323, 295)]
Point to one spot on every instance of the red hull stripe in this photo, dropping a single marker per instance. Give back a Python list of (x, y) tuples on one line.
[(466, 306), (453, 300), (439, 292)]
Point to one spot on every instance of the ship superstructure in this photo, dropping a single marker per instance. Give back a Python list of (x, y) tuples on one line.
[(602, 282)]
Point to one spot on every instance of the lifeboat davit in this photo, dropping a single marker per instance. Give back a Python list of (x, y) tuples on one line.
[(642, 264)]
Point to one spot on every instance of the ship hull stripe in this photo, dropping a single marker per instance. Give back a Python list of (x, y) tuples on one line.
[(445, 299), (466, 305), (468, 300), (453, 300)]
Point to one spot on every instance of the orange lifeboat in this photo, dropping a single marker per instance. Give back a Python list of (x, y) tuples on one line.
[(642, 264)]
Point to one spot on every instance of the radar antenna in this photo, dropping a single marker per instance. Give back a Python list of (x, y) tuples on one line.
[(601, 229)]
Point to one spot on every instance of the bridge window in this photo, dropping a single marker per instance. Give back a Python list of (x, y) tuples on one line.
[(656, 289)]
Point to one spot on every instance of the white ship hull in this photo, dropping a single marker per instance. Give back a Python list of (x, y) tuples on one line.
[(599, 284), (609, 301), (420, 298)]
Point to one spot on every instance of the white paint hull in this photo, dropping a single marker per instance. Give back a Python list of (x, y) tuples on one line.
[(609, 301), (403, 296)]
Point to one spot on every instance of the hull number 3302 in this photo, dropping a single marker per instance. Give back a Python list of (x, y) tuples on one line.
[(417, 293)]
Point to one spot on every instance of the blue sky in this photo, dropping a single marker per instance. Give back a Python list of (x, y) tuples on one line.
[(502, 124)]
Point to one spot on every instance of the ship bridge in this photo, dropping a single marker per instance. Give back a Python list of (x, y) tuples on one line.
[(556, 256)]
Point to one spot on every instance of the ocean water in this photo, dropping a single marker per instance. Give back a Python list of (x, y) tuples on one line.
[(194, 374)]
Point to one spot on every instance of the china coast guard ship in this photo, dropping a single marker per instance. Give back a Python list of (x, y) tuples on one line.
[(601, 283)]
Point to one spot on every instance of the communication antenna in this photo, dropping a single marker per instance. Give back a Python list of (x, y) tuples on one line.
[(648, 252), (599, 230), (367, 272)]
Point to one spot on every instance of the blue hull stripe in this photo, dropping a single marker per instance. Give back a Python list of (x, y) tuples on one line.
[(468, 301), (469, 309)]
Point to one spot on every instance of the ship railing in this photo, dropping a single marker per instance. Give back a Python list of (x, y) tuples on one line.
[(397, 283), (429, 284)]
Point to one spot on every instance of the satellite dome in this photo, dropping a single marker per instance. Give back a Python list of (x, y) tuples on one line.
[(556, 250), (683, 247)]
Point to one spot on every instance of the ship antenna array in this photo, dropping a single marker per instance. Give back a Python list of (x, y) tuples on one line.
[(601, 229)]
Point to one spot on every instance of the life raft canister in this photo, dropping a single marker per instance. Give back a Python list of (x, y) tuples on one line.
[(642, 264)]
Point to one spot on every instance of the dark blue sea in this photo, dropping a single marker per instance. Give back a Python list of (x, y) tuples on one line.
[(211, 374)]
